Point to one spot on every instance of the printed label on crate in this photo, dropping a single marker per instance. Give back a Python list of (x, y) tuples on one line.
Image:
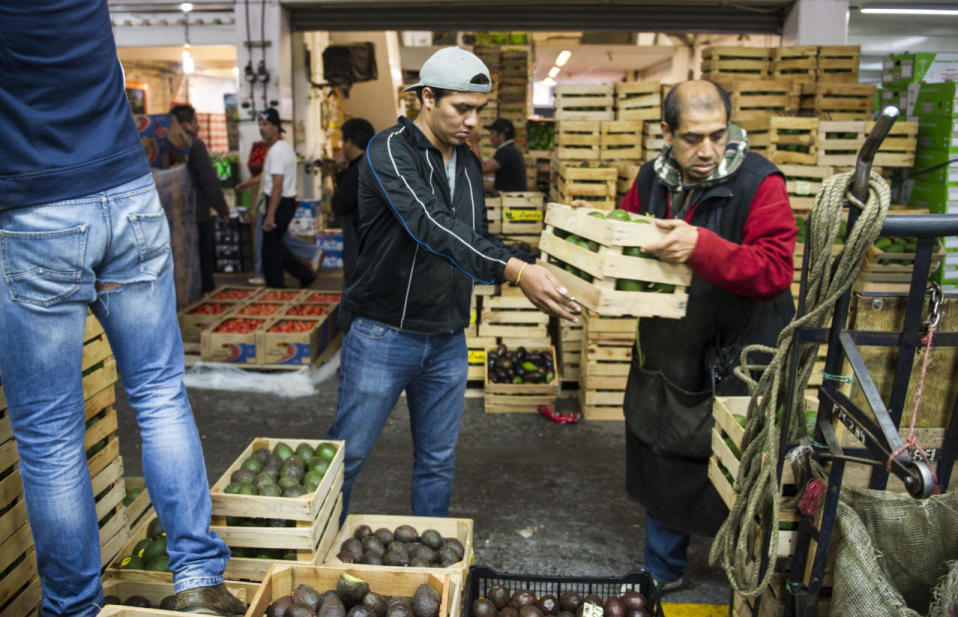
[(241, 352), (477, 356), (591, 610), (294, 353), (472, 317), (522, 215), (803, 187)]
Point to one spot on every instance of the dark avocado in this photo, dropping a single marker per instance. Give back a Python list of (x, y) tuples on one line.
[(278, 607), (351, 589), (548, 604), (522, 598), (482, 607), (499, 596), (425, 602)]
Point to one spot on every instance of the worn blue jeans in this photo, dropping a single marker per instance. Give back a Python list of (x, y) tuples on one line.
[(109, 251), (377, 364), (666, 551)]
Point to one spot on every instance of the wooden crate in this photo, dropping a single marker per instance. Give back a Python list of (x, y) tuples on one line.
[(797, 63), (569, 351), (621, 140), (522, 213), (840, 141), (459, 528), (738, 62), (112, 517), (839, 63), (232, 347), (198, 316), (593, 183), (752, 98), (281, 580), (803, 183), (476, 348), (653, 140), (885, 267), (521, 397), (512, 316), (18, 565), (297, 348), (626, 172), (584, 102), (783, 139), (116, 584), (232, 293), (303, 508), (577, 140), (24, 602), (638, 100), (140, 506), (609, 263), (606, 358), (838, 101), (494, 214)]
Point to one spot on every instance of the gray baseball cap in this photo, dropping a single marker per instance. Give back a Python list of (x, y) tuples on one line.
[(454, 68)]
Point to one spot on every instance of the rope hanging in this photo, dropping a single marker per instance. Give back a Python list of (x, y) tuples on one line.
[(829, 276)]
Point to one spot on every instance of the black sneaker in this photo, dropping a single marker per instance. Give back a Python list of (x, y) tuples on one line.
[(210, 601)]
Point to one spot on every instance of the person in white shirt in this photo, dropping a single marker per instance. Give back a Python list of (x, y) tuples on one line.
[(279, 190)]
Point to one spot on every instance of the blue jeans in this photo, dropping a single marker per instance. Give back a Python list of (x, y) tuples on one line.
[(109, 251), (377, 364), (666, 551)]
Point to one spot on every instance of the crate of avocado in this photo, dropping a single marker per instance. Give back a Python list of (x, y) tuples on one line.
[(331, 591), (892, 260), (597, 255), (120, 594), (520, 380), (490, 593), (279, 501)]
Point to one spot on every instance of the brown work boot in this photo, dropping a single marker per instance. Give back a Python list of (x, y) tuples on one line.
[(209, 601)]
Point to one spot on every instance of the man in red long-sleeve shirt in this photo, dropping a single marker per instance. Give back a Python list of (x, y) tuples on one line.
[(729, 219)]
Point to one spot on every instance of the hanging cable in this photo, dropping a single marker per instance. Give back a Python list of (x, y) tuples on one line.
[(829, 276)]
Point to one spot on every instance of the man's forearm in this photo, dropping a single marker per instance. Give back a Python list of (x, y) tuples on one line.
[(275, 196)]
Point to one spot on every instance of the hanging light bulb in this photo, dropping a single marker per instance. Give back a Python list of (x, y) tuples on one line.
[(189, 66)]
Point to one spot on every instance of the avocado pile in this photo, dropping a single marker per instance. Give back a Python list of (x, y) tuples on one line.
[(284, 472), (150, 552), (519, 366), (541, 135), (353, 598), (499, 602), (168, 603), (400, 547), (628, 251)]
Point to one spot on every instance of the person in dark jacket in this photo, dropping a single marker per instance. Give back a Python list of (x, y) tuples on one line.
[(728, 217), (424, 242), (356, 134), (82, 229), (508, 164), (209, 195)]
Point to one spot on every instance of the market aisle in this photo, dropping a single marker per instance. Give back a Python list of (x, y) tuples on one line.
[(546, 498)]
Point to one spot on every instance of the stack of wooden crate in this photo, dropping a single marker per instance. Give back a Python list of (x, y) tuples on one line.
[(569, 351), (511, 318), (838, 100), (515, 65), (476, 344), (626, 173), (798, 63), (604, 369), (735, 62), (578, 140), (760, 98), (489, 54), (19, 583), (584, 102), (586, 181), (638, 100), (621, 140), (653, 140), (783, 139), (522, 214)]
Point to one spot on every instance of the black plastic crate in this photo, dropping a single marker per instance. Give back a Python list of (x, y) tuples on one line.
[(482, 578)]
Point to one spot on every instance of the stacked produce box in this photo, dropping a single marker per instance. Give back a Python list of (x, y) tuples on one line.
[(254, 326), (233, 245), (515, 69), (19, 584), (489, 54), (606, 356)]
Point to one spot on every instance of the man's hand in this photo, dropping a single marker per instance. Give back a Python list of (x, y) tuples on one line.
[(242, 186), (543, 290), (677, 246), (269, 222), (580, 203)]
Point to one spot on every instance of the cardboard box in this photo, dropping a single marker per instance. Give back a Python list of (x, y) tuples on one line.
[(941, 167), (936, 100), (938, 198), (938, 133), (297, 347), (231, 347), (902, 69)]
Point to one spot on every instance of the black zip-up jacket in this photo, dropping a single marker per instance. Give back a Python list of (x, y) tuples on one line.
[(420, 248)]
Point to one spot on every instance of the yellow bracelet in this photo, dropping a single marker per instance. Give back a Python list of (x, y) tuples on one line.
[(521, 268)]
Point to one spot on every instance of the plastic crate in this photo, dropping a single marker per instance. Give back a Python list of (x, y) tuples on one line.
[(482, 578)]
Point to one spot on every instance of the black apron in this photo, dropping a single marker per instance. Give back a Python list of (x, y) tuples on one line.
[(679, 365)]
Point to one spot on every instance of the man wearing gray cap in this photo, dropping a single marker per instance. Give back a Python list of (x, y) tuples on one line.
[(423, 244)]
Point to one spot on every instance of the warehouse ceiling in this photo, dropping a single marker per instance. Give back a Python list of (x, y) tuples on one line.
[(756, 16)]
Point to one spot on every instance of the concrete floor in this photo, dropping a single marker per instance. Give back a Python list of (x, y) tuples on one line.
[(546, 498)]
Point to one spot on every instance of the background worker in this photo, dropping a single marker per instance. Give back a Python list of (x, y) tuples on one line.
[(728, 217), (424, 244), (279, 194), (507, 163), (81, 227), (209, 195), (356, 134)]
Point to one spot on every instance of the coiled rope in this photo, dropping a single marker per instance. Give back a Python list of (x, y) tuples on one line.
[(758, 502)]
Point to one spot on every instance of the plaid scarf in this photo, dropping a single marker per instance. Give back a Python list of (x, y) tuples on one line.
[(669, 172)]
